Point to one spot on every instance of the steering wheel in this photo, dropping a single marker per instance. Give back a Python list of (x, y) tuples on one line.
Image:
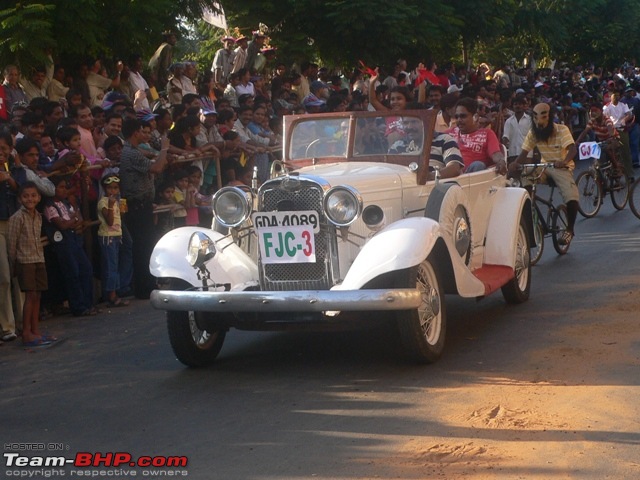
[(317, 144)]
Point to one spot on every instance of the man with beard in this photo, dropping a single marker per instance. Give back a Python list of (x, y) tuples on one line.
[(556, 145)]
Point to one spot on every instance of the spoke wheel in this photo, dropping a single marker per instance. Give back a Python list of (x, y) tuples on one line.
[(518, 289), (559, 226), (590, 192), (634, 198), (194, 339), (619, 191), (423, 330), (538, 233)]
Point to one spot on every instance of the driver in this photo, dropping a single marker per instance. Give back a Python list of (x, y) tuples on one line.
[(556, 145)]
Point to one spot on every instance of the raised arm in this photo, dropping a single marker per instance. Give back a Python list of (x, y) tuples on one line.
[(373, 98)]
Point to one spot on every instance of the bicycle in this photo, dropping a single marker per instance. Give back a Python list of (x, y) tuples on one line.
[(548, 219), (602, 178), (634, 198)]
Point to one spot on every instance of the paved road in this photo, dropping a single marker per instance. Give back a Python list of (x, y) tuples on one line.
[(547, 389)]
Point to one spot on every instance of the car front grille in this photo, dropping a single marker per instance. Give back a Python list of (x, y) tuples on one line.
[(298, 276)]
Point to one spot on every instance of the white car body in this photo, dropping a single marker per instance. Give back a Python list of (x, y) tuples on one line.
[(473, 234)]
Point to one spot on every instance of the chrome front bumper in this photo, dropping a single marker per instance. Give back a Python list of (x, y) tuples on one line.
[(291, 301)]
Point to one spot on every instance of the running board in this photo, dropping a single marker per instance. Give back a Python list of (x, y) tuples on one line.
[(494, 276)]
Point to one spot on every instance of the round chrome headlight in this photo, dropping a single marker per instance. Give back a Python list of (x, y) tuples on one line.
[(231, 206), (342, 205), (201, 249)]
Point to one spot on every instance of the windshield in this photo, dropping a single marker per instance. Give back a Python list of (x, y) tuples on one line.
[(320, 138), (388, 136), (372, 136)]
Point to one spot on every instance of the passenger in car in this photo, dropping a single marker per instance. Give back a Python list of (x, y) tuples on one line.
[(480, 147), (444, 155)]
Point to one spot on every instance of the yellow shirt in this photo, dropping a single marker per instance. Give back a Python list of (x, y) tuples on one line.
[(178, 196), (555, 149), (106, 230)]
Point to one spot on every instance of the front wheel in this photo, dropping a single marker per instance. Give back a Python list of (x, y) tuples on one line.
[(590, 192), (559, 226), (619, 191), (423, 330), (518, 289), (634, 198), (196, 341)]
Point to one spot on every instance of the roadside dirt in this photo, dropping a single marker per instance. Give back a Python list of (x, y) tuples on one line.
[(569, 412)]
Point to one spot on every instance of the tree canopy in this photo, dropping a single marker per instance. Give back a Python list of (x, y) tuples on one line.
[(335, 32)]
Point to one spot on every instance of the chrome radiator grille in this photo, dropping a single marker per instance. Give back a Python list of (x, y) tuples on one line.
[(298, 276)]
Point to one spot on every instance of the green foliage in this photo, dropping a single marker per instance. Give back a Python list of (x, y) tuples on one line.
[(333, 32), (26, 34), (76, 29)]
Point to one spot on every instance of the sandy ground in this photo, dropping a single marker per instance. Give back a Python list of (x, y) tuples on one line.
[(570, 412)]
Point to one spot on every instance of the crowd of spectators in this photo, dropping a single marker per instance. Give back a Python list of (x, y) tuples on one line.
[(112, 160)]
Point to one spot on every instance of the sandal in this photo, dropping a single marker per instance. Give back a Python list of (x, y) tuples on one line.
[(38, 342), (566, 238), (118, 302)]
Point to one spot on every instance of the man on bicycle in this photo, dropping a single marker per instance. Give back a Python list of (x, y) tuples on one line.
[(602, 127), (556, 145)]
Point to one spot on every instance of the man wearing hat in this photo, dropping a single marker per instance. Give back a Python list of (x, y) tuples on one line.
[(253, 50), (313, 104), (162, 59), (319, 89), (174, 84), (239, 54), (221, 66)]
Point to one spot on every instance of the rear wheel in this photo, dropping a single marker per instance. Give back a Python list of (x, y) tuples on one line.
[(634, 198), (423, 330), (559, 226), (619, 191), (517, 290), (194, 338), (590, 194)]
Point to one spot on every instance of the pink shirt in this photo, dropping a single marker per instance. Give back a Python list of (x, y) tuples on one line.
[(479, 145)]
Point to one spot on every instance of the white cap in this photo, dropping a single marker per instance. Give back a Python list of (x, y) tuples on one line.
[(453, 89)]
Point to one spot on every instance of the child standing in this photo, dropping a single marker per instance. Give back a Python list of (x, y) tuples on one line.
[(63, 222), (194, 198), (26, 259), (181, 178), (110, 239), (164, 206)]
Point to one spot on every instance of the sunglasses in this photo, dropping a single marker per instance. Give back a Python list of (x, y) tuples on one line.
[(110, 180)]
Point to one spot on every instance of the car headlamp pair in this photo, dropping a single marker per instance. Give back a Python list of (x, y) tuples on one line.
[(342, 206)]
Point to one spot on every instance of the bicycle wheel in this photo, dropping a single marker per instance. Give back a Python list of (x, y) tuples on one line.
[(536, 252), (634, 198), (619, 191), (590, 192), (559, 225)]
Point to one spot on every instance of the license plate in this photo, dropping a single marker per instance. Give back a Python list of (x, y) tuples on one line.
[(287, 244), (286, 219)]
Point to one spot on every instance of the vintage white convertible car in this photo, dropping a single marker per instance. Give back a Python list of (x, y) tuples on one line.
[(347, 229)]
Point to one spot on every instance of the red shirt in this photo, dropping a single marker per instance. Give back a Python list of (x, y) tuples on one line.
[(479, 145), (4, 113)]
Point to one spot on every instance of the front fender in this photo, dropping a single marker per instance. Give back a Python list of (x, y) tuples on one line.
[(401, 245), (230, 264)]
